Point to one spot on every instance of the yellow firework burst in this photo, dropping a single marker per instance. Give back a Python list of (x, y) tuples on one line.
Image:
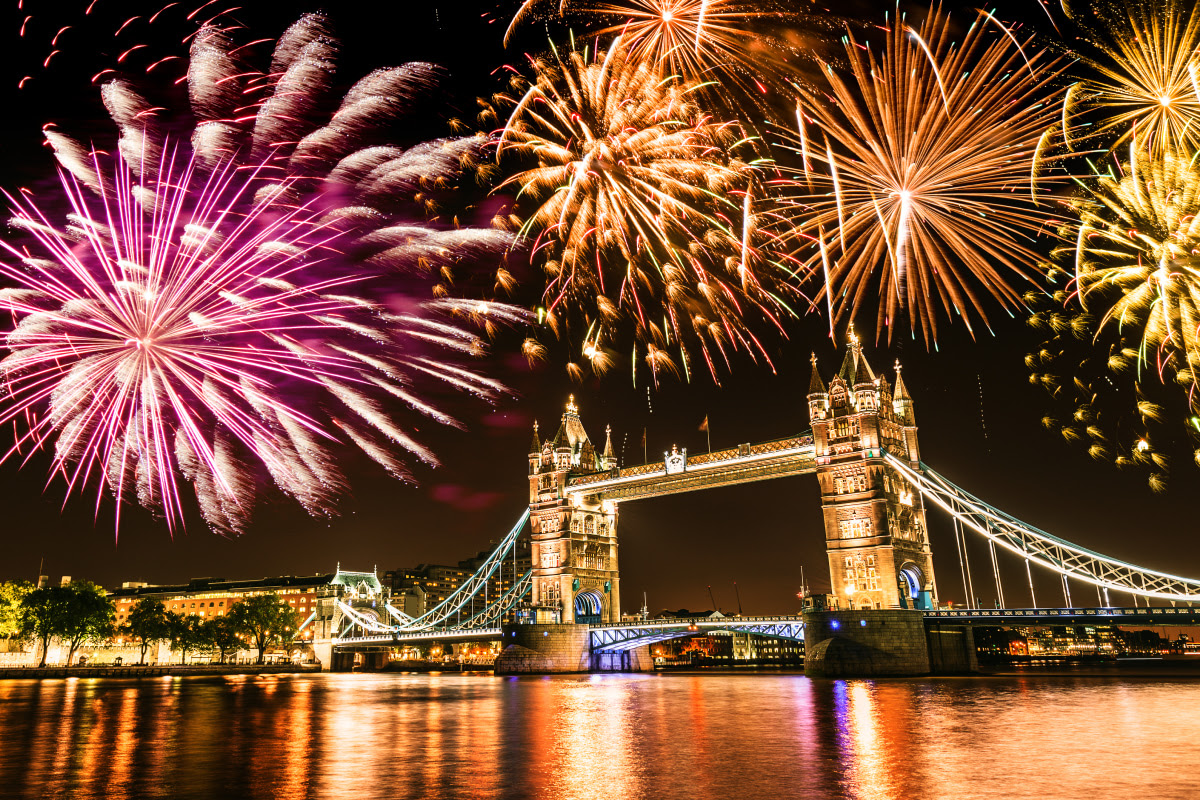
[(644, 215), (918, 165), (1145, 83), (1136, 260)]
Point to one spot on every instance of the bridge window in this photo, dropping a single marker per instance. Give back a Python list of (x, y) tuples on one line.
[(839, 485), (603, 529), (862, 483), (575, 524), (854, 528), (589, 525)]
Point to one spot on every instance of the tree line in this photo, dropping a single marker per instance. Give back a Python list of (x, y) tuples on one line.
[(79, 613)]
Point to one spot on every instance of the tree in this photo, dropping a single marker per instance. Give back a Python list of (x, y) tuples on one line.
[(76, 613), (266, 620), (147, 623), (187, 633), (88, 616), (40, 613), (223, 634), (11, 595)]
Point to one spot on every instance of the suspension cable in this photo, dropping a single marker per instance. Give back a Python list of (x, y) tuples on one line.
[(996, 574), (1032, 594)]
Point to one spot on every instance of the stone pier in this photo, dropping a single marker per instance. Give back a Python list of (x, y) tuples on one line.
[(544, 649), (865, 643)]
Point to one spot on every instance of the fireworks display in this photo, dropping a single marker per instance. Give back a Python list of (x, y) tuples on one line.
[(642, 211), (1143, 84), (916, 173), (226, 314), (236, 295)]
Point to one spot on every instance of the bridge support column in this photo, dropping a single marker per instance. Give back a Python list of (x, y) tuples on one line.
[(544, 649), (323, 652), (951, 648), (865, 643), (636, 660)]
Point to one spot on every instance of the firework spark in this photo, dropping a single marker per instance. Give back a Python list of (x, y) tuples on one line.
[(644, 215), (917, 171), (205, 313), (1145, 84)]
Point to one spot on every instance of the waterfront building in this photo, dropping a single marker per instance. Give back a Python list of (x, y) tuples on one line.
[(213, 597)]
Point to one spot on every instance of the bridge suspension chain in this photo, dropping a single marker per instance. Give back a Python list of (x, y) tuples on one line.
[(1037, 546), (462, 598)]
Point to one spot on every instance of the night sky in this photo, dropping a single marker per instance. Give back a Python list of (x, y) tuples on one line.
[(980, 420)]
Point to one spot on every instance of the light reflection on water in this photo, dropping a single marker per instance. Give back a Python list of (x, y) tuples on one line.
[(614, 736)]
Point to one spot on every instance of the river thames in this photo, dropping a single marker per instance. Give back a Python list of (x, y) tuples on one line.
[(615, 736)]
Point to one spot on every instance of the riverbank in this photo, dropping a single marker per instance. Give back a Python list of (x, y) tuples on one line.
[(153, 670)]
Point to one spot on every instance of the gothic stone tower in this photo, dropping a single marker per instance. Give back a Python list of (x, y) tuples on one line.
[(875, 532), (574, 540)]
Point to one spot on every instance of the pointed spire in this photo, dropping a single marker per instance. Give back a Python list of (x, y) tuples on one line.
[(863, 375), (608, 448), (560, 438), (901, 392), (815, 384), (536, 447)]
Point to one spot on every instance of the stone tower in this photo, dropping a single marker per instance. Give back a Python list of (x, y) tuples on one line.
[(574, 540), (875, 532)]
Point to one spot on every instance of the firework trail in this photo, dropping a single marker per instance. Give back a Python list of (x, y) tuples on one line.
[(1122, 343), (224, 314), (1143, 83), (918, 172), (648, 222)]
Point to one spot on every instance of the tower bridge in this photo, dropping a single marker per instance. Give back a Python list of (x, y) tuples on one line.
[(564, 614)]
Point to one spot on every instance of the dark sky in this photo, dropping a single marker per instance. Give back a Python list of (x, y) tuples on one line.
[(979, 418)]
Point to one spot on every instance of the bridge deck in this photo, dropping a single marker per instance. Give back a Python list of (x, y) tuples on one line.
[(742, 464)]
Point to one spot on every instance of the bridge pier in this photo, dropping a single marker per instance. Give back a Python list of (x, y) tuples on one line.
[(544, 649), (865, 643)]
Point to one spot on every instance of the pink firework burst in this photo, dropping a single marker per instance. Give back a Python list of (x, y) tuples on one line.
[(223, 317)]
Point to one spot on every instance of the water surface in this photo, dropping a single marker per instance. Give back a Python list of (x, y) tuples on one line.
[(615, 736)]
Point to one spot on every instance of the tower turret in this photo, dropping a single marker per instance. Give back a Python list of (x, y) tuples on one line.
[(878, 548), (608, 460), (574, 540), (902, 406), (535, 451)]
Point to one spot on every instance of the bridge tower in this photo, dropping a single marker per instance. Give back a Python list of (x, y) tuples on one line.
[(575, 576), (875, 533)]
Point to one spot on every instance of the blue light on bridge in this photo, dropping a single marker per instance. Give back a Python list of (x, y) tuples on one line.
[(835, 624), (862, 622)]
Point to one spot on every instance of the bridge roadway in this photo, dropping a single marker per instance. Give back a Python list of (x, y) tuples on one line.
[(683, 473), (621, 636)]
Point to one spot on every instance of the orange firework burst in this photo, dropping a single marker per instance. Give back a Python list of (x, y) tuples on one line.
[(645, 215), (918, 173)]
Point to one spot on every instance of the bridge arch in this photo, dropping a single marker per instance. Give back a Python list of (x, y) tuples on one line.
[(589, 607), (912, 580)]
